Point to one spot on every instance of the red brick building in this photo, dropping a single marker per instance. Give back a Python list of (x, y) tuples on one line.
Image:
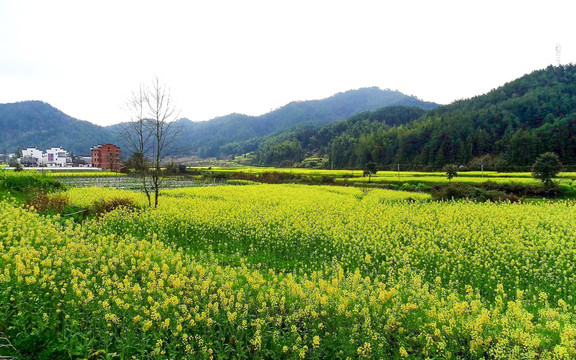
[(106, 157)]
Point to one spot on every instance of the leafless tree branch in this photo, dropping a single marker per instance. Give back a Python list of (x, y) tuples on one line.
[(152, 129)]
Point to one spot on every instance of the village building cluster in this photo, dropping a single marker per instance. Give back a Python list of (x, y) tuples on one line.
[(105, 156)]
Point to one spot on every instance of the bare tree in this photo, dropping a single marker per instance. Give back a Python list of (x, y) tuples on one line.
[(162, 114), (136, 135), (151, 129)]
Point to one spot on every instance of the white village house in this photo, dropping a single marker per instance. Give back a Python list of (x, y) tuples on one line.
[(55, 157), (31, 156)]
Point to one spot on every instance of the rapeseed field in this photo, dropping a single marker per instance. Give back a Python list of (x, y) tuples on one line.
[(290, 272)]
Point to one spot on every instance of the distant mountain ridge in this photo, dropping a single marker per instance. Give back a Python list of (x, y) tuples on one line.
[(506, 128), (333, 141), (36, 123), (207, 138)]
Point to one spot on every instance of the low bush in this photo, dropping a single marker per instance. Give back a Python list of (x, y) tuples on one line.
[(103, 206), (58, 202), (492, 191), (43, 202), (278, 177), (317, 180), (521, 190), (474, 193), (38, 200), (240, 182), (372, 185), (269, 177)]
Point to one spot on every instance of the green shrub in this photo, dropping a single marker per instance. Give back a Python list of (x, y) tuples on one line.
[(43, 202), (451, 171), (522, 190), (103, 206), (240, 182), (463, 191), (26, 181), (546, 168), (406, 187), (317, 180)]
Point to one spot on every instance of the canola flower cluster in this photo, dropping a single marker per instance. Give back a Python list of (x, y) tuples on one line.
[(87, 196), (292, 272)]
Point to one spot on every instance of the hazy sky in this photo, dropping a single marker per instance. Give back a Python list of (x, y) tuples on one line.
[(86, 57)]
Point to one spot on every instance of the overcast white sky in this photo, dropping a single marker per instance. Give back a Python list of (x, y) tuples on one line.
[(218, 57)]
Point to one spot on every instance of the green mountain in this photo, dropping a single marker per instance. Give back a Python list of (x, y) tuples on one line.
[(210, 138), (505, 128), (35, 123), (510, 125), (302, 141)]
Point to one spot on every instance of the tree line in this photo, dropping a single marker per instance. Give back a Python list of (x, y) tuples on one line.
[(505, 129)]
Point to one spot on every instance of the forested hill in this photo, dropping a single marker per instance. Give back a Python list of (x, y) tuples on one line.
[(208, 137), (343, 136), (509, 126), (35, 123), (505, 128)]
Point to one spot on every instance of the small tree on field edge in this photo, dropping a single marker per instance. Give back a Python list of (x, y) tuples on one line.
[(370, 169), (451, 171), (546, 167)]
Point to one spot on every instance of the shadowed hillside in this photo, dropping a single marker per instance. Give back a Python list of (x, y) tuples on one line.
[(506, 128), (35, 123)]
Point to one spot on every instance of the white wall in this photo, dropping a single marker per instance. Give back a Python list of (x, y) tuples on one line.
[(33, 152), (56, 157)]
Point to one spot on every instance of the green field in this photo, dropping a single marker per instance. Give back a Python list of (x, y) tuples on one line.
[(424, 180), (413, 180), (388, 175)]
